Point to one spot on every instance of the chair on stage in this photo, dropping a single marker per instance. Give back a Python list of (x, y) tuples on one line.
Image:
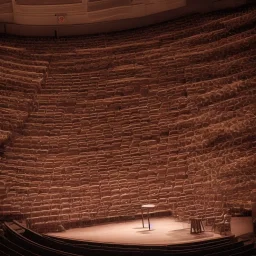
[(224, 225)]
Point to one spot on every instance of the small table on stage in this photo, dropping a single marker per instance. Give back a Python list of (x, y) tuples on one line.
[(196, 225), (147, 207)]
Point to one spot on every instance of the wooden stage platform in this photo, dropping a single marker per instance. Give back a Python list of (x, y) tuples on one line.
[(164, 231)]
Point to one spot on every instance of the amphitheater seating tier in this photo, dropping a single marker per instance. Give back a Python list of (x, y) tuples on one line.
[(21, 79), (93, 127)]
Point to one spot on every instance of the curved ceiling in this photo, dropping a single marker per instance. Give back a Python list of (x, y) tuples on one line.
[(73, 17)]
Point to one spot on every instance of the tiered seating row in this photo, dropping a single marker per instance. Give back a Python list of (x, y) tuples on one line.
[(21, 78), (125, 122)]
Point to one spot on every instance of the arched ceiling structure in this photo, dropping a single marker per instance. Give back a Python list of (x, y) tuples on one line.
[(76, 17)]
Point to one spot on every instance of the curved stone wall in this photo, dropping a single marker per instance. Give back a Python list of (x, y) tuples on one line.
[(31, 12), (79, 17), (162, 115)]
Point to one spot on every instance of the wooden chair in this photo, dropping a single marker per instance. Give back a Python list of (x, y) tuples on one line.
[(224, 225)]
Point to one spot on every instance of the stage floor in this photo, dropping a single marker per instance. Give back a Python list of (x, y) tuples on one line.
[(164, 230)]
